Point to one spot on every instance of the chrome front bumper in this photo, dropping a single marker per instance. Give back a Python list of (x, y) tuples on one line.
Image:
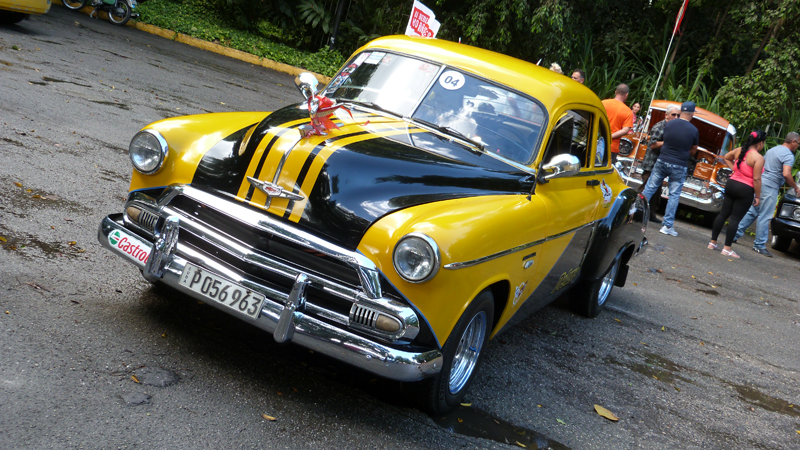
[(711, 204), (279, 308)]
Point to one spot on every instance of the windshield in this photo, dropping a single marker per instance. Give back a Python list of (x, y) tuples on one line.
[(499, 120)]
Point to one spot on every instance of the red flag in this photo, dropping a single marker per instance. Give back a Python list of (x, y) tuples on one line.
[(679, 19)]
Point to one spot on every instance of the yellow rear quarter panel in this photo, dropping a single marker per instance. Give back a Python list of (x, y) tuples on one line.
[(26, 6)]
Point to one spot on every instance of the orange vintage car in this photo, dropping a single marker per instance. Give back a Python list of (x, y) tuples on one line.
[(705, 182)]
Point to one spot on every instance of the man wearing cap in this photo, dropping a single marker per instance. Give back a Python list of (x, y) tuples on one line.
[(651, 156), (620, 118), (680, 142), (778, 162)]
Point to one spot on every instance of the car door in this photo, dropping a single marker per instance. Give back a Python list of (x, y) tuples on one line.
[(572, 201)]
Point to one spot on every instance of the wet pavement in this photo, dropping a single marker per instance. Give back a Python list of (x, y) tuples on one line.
[(696, 352)]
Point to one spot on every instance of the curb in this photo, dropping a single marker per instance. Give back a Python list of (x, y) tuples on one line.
[(215, 48)]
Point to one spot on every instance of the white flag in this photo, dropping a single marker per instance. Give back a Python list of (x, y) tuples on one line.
[(422, 21)]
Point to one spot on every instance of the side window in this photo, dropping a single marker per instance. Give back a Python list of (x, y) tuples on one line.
[(571, 135), (601, 158)]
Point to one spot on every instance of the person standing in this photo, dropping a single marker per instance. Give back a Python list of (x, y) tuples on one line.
[(742, 190), (620, 118), (680, 142), (651, 155), (778, 164), (638, 121), (579, 76)]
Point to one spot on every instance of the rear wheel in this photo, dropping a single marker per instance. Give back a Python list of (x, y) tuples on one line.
[(780, 243), (462, 355), (74, 4), (589, 297), (120, 14)]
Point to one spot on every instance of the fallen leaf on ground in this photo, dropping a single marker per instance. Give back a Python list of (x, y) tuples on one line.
[(702, 343), (618, 320), (655, 377), (466, 404), (710, 273), (561, 422), (71, 243), (459, 419), (2, 239), (521, 444), (662, 328), (642, 343), (17, 184), (677, 388), (135, 380), (606, 413), (709, 303), (38, 196), (694, 276), (270, 418)]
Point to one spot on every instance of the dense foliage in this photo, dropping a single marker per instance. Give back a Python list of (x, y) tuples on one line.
[(738, 58)]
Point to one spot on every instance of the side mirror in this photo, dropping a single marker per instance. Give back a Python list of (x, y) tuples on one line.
[(306, 84), (560, 166)]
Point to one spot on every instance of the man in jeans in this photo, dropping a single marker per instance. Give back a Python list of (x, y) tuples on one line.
[(651, 156), (680, 142), (778, 163)]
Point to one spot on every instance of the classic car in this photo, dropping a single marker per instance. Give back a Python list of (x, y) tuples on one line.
[(13, 11), (427, 198), (704, 188), (785, 226)]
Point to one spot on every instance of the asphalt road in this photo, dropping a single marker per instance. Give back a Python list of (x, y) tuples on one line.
[(696, 351)]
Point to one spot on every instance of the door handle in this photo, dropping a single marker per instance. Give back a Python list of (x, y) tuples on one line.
[(593, 183)]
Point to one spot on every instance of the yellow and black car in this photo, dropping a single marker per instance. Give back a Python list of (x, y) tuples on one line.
[(13, 11), (397, 219)]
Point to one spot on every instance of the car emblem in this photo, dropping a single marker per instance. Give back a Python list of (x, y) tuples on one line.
[(273, 190)]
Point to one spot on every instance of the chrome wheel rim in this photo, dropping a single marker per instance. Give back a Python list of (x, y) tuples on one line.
[(467, 353), (607, 284)]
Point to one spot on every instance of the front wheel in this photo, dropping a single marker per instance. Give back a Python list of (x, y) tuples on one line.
[(780, 243), (74, 4), (462, 354), (589, 297), (120, 14)]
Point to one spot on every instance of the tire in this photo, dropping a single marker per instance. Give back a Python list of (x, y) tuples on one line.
[(780, 243), (589, 297), (120, 13), (74, 4), (463, 353), (10, 18)]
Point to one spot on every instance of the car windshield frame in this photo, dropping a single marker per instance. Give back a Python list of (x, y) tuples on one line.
[(520, 145)]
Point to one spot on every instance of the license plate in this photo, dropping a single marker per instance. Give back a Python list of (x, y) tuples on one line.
[(219, 290), (665, 191)]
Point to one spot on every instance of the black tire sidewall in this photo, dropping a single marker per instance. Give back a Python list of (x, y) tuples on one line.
[(441, 399), (780, 243), (586, 295)]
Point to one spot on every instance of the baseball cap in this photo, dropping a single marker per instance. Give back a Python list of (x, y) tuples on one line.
[(688, 107)]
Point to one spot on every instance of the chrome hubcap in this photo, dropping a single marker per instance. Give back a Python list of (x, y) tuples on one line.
[(469, 348), (607, 284)]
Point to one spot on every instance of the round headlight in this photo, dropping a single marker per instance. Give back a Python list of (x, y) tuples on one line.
[(416, 258), (796, 214), (625, 147), (148, 151), (723, 175)]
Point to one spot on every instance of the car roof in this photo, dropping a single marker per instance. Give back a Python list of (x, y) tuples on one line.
[(550, 88), (699, 113)]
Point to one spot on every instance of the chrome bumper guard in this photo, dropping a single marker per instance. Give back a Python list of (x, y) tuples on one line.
[(282, 313)]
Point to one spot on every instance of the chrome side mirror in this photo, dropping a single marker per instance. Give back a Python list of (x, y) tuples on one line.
[(560, 166), (306, 84)]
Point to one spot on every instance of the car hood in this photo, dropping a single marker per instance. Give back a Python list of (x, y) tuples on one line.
[(341, 183)]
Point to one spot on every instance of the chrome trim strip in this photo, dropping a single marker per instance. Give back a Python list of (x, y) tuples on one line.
[(592, 173), (367, 270), (309, 332), (475, 262)]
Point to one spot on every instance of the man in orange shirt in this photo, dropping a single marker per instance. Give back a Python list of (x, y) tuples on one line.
[(620, 118)]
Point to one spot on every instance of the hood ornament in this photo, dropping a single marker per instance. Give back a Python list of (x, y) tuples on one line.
[(273, 190), (320, 108)]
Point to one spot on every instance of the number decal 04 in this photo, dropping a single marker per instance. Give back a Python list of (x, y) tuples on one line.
[(451, 80)]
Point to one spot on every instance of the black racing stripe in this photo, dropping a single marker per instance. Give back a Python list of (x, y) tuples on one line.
[(307, 165), (267, 149)]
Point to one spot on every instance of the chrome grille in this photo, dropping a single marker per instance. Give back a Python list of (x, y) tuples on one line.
[(363, 316)]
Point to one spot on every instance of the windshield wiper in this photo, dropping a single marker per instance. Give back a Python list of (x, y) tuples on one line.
[(371, 105), (452, 132)]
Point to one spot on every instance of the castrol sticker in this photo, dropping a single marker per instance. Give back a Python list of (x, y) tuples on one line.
[(130, 246)]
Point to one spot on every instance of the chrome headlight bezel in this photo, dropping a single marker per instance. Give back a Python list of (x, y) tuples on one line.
[(723, 175), (402, 250), (148, 151)]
